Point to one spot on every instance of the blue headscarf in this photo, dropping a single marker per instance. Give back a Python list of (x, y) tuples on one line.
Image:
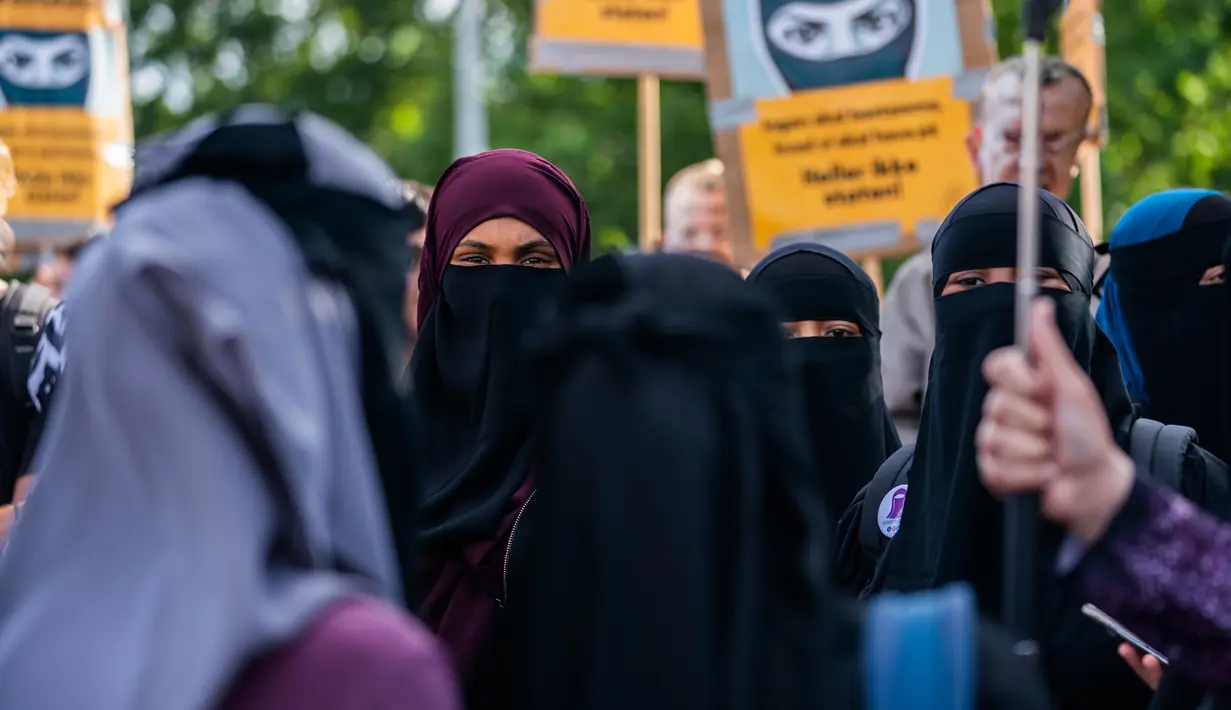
[(1159, 215)]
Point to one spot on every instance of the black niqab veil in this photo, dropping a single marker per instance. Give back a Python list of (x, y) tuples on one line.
[(952, 528), (848, 424), (684, 568), (1166, 322), (475, 404)]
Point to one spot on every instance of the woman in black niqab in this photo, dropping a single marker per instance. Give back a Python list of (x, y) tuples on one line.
[(684, 570), (952, 528), (504, 229), (831, 313)]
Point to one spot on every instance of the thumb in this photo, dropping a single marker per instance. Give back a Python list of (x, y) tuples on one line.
[(1051, 352)]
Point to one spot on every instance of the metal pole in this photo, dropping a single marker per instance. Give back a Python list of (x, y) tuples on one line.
[(1028, 200), (1021, 512), (470, 133), (1021, 522)]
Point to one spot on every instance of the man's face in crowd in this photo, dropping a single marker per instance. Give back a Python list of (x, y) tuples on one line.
[(995, 146), (696, 223), (411, 304)]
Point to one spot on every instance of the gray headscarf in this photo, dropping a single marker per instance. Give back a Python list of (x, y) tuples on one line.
[(206, 484)]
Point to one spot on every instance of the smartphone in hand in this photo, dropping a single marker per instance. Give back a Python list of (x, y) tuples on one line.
[(1118, 629)]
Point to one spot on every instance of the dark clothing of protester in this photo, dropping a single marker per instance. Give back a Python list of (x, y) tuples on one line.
[(1169, 327), (475, 402), (46, 368), (249, 284), (951, 527), (24, 311), (683, 567), (47, 362), (848, 424), (359, 654)]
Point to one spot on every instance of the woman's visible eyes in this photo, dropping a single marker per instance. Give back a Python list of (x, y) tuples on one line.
[(474, 259), (970, 281), (839, 331)]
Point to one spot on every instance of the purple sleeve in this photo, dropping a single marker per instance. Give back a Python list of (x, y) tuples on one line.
[(359, 654), (1163, 569)]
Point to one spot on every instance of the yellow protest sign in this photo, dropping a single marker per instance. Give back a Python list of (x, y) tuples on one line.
[(843, 121), (857, 166), (65, 112), (618, 38)]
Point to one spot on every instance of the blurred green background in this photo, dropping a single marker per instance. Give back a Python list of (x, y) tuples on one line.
[(383, 70)]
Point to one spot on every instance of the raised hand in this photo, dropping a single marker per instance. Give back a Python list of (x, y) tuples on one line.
[(1044, 429)]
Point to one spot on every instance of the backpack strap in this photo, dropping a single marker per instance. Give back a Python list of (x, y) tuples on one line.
[(1158, 451), (877, 525), (1101, 250), (22, 312), (919, 650)]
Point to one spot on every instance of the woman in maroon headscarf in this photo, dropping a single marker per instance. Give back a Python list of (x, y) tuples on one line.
[(503, 230)]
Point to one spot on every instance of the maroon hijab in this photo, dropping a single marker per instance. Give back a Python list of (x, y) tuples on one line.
[(477, 413), (500, 183)]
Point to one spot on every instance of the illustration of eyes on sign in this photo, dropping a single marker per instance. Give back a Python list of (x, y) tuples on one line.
[(844, 121), (618, 38), (65, 112)]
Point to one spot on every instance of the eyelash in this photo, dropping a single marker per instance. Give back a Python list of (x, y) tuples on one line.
[(479, 259), (970, 281)]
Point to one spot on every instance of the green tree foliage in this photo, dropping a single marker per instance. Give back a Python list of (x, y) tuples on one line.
[(383, 70)]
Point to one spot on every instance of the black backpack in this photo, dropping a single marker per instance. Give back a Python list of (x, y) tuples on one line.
[(23, 309), (1157, 450)]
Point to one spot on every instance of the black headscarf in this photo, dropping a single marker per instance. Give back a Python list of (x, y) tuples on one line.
[(685, 565), (952, 528), (348, 216), (848, 424)]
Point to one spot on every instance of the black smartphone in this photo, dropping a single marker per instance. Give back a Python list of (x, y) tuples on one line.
[(1118, 629)]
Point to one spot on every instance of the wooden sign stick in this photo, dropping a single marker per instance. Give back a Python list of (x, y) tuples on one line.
[(649, 162)]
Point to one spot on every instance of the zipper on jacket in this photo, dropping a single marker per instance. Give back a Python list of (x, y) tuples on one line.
[(508, 550)]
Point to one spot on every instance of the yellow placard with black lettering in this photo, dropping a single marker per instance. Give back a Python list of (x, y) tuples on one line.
[(65, 112), (868, 168), (618, 37)]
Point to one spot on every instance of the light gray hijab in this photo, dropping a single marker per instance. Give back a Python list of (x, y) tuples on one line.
[(149, 564)]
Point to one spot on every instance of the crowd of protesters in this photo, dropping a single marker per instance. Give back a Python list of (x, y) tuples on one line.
[(326, 439)]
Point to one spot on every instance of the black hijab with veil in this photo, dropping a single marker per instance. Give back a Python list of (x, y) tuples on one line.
[(685, 566), (952, 528), (843, 400)]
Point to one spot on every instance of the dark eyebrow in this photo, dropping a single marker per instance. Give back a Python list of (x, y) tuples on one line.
[(531, 246), (476, 245)]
